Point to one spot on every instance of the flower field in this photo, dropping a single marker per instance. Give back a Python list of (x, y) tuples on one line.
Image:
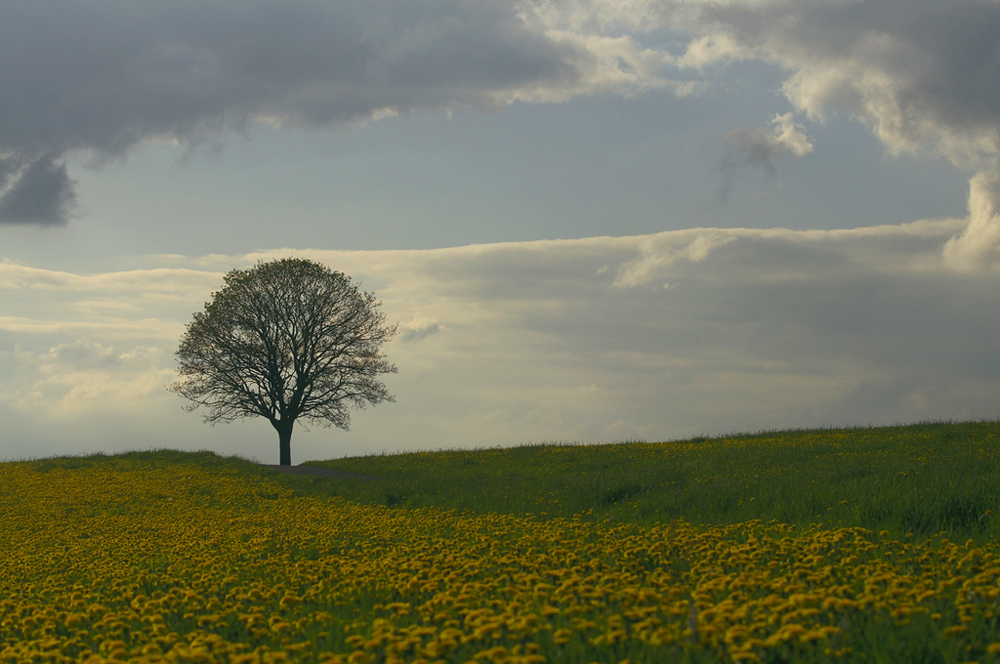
[(185, 558)]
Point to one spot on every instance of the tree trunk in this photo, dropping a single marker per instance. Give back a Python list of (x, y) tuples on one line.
[(284, 441)]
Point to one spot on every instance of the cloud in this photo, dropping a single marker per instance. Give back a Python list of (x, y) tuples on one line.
[(91, 76), (658, 253), (924, 75), (41, 192), (418, 330), (530, 341), (14, 276), (8, 167), (138, 306), (979, 243), (79, 377), (760, 147), (85, 355)]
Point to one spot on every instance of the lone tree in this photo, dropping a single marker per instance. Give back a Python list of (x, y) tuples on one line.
[(285, 339)]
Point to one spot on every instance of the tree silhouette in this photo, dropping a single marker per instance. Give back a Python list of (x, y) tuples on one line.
[(284, 340)]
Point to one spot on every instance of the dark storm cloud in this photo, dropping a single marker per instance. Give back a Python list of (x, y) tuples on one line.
[(40, 192), (104, 75), (8, 167)]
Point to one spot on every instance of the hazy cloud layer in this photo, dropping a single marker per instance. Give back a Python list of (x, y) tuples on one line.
[(555, 340)]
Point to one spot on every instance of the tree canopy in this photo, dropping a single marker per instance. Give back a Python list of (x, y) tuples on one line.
[(284, 340)]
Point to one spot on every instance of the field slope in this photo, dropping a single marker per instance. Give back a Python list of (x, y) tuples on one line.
[(874, 545), (920, 479)]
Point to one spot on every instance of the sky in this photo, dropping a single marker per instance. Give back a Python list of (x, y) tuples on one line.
[(593, 220)]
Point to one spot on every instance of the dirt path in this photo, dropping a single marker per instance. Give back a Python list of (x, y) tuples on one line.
[(322, 472)]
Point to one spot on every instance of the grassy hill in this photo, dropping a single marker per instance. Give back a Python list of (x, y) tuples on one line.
[(855, 545), (920, 479)]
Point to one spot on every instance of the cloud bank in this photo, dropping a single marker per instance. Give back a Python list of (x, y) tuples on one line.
[(552, 340)]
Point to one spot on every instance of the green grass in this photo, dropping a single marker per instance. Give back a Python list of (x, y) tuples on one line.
[(920, 479)]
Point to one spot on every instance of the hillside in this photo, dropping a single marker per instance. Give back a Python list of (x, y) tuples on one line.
[(920, 479), (746, 548)]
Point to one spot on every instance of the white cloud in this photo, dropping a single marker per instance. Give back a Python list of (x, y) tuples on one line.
[(158, 280), (979, 244), (657, 254), (107, 327), (83, 377), (787, 137)]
